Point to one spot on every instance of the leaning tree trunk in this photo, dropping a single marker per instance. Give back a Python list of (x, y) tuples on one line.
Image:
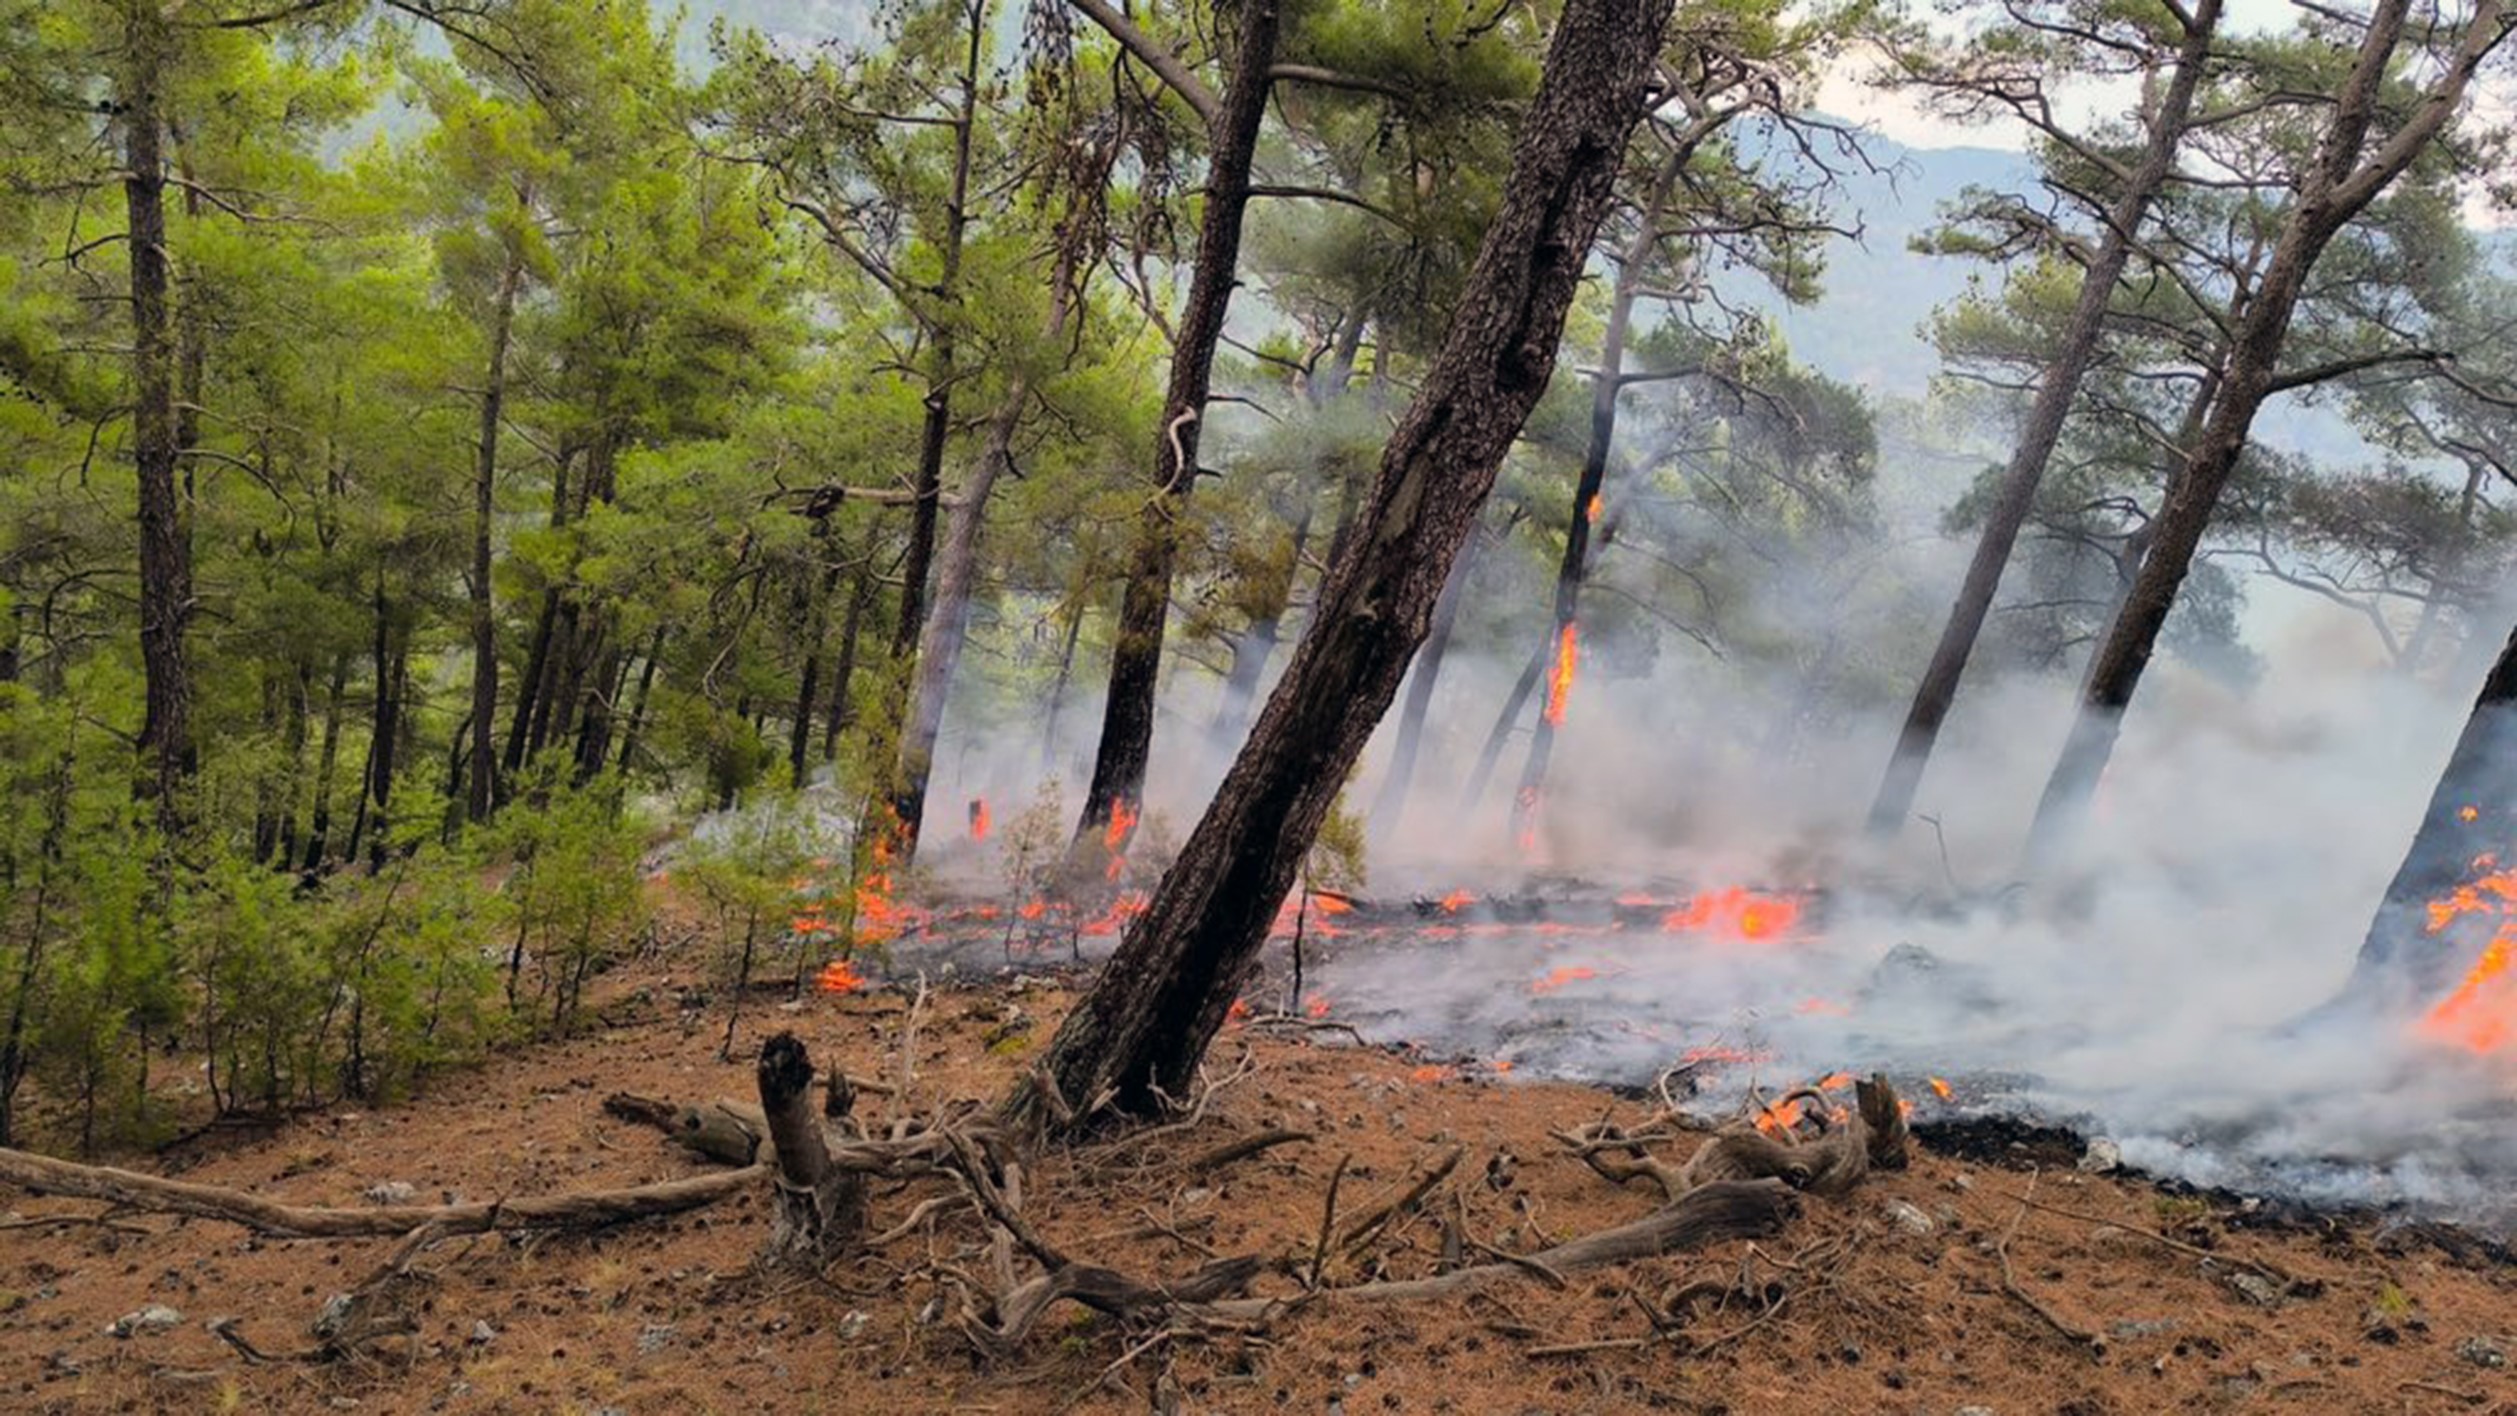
[(481, 786), (1560, 646), (1127, 721), (166, 746), (1389, 810), (929, 486), (2414, 954), (2338, 187), (2046, 416), (1146, 1023)]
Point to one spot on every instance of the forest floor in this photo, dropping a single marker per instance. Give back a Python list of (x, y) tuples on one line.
[(1893, 1297)]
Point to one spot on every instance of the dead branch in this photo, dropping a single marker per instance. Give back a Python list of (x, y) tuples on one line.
[(1106, 1291), (2307, 1286), (2095, 1343), (1717, 1212), (591, 1209), (1372, 1221), (1242, 1149)]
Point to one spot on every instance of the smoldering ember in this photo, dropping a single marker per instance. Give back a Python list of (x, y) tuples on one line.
[(1258, 705)]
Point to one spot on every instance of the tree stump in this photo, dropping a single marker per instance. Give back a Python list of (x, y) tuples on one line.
[(820, 1208)]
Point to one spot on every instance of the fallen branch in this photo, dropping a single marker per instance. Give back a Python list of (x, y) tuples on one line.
[(591, 1209), (2095, 1343), (1242, 1149), (1716, 1213)]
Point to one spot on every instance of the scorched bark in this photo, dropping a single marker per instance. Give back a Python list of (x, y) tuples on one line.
[(1149, 1017)]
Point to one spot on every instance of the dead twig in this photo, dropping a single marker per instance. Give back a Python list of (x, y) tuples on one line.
[(2095, 1343)]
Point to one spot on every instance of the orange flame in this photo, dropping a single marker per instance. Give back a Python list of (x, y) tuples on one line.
[(1592, 512), (1736, 912), (839, 977), (2468, 813), (1456, 901), (1317, 1007), (1560, 677), (1940, 1088), (1560, 978), (1123, 819), (1329, 902), (1427, 1076), (1781, 1116), (979, 818), (2481, 1014)]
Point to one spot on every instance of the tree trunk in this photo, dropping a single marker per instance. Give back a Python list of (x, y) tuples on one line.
[(1390, 810), (808, 682), (1127, 722), (481, 790), (836, 716), (638, 703), (820, 1207), (319, 820), (2409, 956), (1150, 1015), (165, 742), (2339, 186), (1505, 719), (942, 371), (948, 622), (2046, 416)]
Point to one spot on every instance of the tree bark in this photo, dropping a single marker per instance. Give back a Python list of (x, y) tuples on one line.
[(1150, 1015), (1389, 811), (636, 731), (948, 623), (2046, 417), (166, 746), (942, 371), (481, 789), (319, 819), (2339, 186), (840, 711), (1127, 722), (2469, 828), (821, 1208)]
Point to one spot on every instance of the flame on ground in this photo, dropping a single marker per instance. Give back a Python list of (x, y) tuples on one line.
[(1123, 819), (1560, 977), (839, 977), (1560, 674), (1735, 913), (979, 818)]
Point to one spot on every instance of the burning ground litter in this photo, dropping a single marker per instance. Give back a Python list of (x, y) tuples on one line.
[(1734, 993)]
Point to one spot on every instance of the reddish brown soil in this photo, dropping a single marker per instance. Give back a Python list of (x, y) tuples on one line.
[(667, 1317)]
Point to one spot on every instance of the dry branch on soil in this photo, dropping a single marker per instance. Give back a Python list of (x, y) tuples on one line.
[(590, 1209)]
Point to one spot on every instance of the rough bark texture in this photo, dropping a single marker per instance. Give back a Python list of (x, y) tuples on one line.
[(2339, 186), (1127, 721), (2472, 813), (1160, 1000), (166, 746), (821, 1208), (948, 623), (481, 786), (942, 370), (148, 1194), (2046, 416), (1606, 386)]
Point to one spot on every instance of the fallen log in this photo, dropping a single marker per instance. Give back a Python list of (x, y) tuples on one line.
[(589, 1209)]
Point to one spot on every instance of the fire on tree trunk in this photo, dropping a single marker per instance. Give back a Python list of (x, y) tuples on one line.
[(1159, 1001), (2453, 903)]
